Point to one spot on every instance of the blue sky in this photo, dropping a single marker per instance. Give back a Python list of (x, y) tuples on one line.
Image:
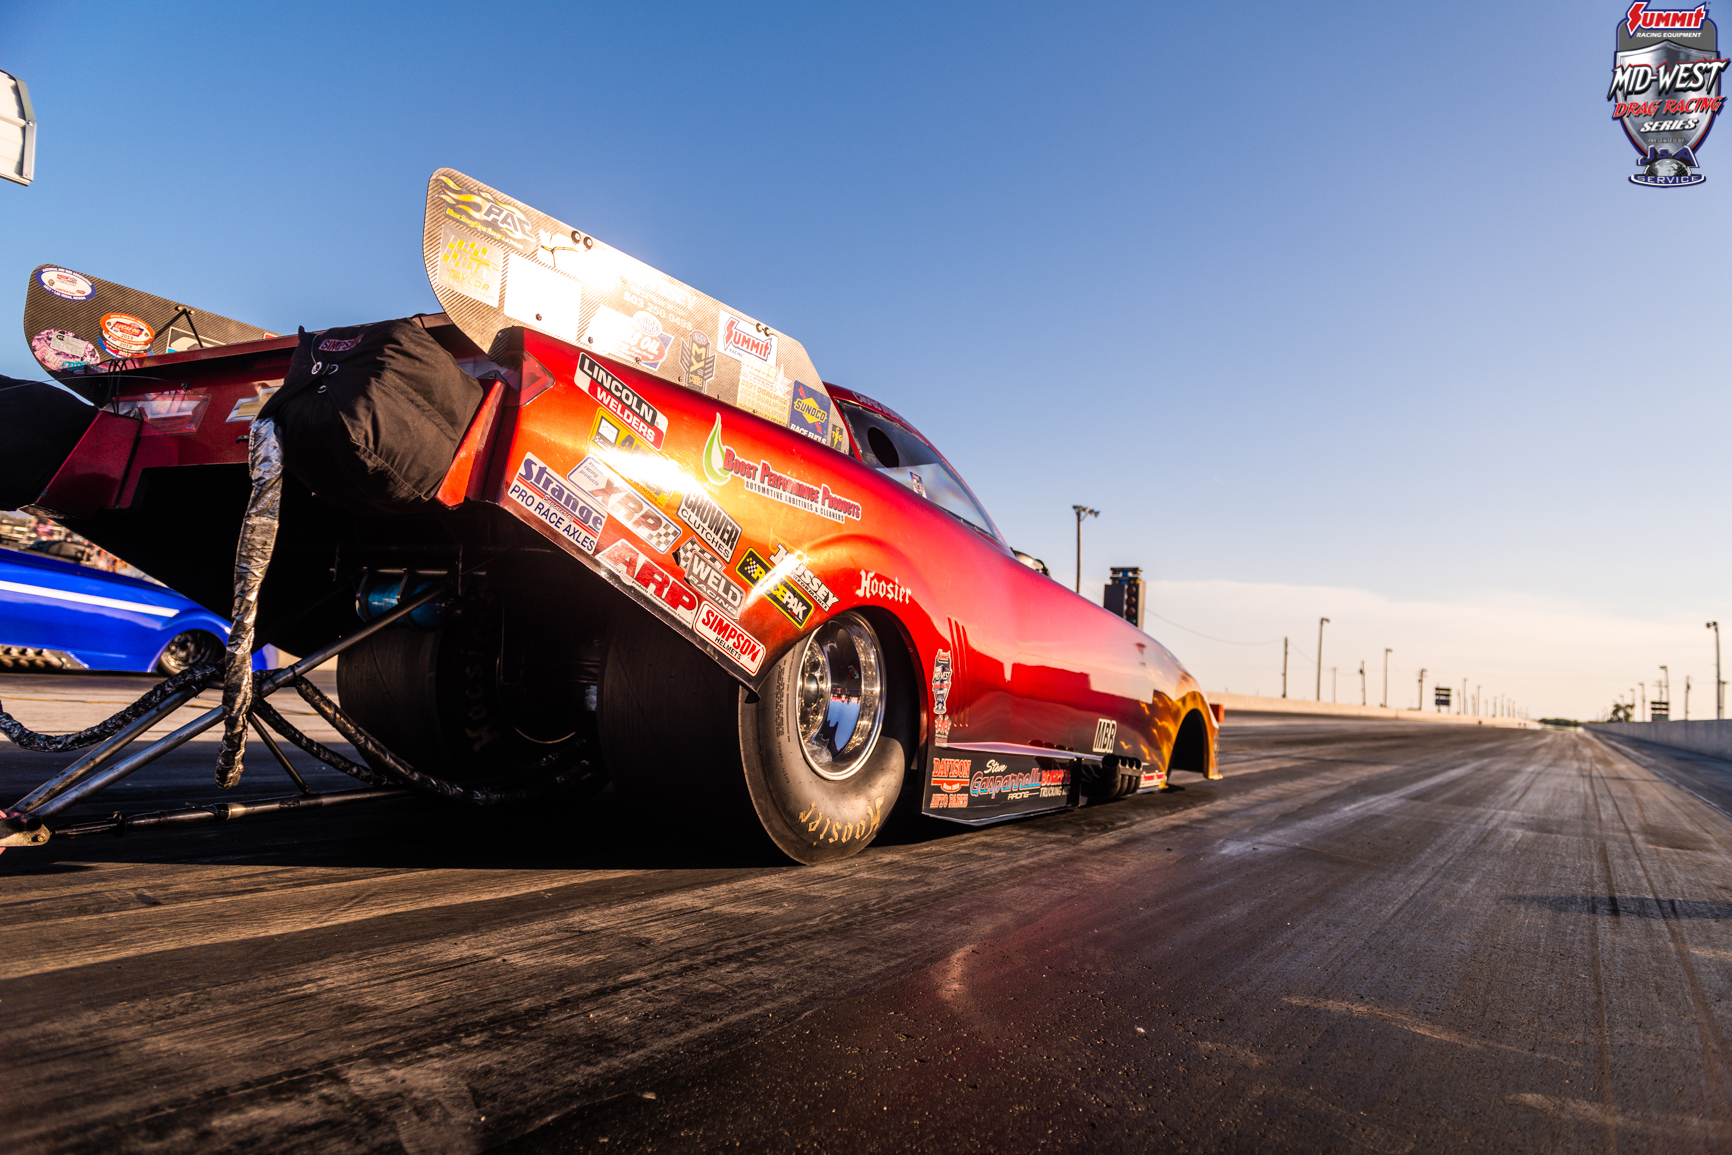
[(1347, 304)]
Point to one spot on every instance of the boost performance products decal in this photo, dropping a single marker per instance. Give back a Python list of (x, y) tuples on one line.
[(546, 495), (622, 401), (763, 479)]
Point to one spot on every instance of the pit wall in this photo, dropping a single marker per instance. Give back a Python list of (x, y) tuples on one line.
[(1256, 705), (1711, 738)]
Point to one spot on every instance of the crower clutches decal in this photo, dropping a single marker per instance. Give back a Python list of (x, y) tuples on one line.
[(1665, 90)]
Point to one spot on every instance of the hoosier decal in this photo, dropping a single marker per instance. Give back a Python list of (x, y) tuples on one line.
[(708, 520), (545, 494), (781, 594), (623, 402), (873, 586), (607, 487), (715, 626), (623, 558)]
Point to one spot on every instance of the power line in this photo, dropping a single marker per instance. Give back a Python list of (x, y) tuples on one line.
[(1211, 637)]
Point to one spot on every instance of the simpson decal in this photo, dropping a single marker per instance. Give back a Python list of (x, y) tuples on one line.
[(707, 519), (707, 572), (618, 398), (1665, 90), (625, 559), (728, 637), (547, 495), (775, 588), (634, 510)]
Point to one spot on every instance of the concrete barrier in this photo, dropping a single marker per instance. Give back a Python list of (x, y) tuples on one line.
[(1711, 738), (1257, 705)]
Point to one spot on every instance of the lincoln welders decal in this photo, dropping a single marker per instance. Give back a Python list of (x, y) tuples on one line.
[(1665, 90), (623, 402), (721, 463), (545, 494)]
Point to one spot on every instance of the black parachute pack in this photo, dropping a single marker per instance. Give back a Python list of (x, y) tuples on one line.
[(40, 425), (370, 417)]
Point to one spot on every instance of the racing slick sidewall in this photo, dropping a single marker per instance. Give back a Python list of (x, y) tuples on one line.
[(810, 818)]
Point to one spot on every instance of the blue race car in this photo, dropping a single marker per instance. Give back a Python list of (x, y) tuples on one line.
[(60, 615)]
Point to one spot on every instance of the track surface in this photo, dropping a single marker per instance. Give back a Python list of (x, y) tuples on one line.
[(1390, 937)]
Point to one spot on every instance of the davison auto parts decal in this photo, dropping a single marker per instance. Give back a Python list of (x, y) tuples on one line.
[(1665, 90)]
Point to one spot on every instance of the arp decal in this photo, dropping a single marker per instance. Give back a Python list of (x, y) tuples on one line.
[(545, 494), (707, 572), (721, 463), (889, 589), (1106, 735), (802, 576), (623, 402), (626, 559), (783, 594), (658, 530), (708, 520), (726, 635), (810, 412)]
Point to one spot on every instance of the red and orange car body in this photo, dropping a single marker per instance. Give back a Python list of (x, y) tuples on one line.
[(741, 535)]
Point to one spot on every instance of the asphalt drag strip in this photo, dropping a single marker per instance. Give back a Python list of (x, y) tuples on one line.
[(1369, 935)]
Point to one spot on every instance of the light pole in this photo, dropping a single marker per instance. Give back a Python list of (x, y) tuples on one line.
[(1421, 705), (1686, 697), (1362, 681), (1719, 686), (1283, 667), (1386, 652), (1082, 511), (1334, 681), (1463, 710), (1320, 623), (1666, 676)]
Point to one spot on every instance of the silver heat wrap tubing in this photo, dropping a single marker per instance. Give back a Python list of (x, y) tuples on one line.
[(252, 558)]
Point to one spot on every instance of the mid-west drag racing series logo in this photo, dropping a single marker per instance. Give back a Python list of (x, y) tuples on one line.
[(1665, 89)]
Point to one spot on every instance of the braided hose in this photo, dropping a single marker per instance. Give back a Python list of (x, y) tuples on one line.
[(252, 559), (28, 739)]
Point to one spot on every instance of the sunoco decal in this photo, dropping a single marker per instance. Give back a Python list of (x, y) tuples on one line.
[(633, 509), (721, 463), (728, 637), (623, 402), (1665, 90), (809, 412), (545, 494)]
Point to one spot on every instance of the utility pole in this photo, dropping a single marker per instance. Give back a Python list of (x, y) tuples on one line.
[(1362, 681), (1283, 667), (1719, 686), (1082, 511), (1686, 697), (1667, 676), (1476, 691), (1333, 682), (1421, 704), (1320, 623), (1463, 710), (1644, 687), (1386, 652)]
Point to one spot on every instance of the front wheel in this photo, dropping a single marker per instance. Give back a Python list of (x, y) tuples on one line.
[(826, 744), (190, 648)]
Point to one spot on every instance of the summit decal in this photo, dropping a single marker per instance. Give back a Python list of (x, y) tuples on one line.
[(1665, 90)]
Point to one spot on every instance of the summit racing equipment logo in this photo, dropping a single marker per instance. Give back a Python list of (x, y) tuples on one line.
[(747, 341), (1665, 90), (620, 399), (721, 463), (499, 219), (546, 495)]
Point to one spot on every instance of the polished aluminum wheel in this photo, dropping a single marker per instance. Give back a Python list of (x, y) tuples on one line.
[(841, 696)]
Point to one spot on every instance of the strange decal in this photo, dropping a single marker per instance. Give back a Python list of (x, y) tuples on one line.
[(778, 591), (1665, 90), (635, 511), (626, 560), (707, 572), (710, 522), (721, 463), (621, 400), (727, 636), (546, 494)]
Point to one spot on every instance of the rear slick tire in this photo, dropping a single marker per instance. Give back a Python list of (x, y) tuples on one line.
[(824, 765)]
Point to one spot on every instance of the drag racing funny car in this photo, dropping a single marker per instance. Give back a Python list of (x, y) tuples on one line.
[(587, 526)]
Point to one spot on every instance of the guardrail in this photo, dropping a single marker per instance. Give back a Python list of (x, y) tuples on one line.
[(1711, 738), (1251, 703)]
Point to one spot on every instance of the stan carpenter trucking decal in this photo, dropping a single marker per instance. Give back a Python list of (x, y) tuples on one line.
[(546, 495), (763, 479), (610, 489), (623, 402), (1665, 90)]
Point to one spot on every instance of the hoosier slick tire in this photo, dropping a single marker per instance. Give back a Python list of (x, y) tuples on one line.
[(828, 743)]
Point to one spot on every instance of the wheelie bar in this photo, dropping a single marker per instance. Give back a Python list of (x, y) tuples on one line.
[(101, 768), (120, 824)]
